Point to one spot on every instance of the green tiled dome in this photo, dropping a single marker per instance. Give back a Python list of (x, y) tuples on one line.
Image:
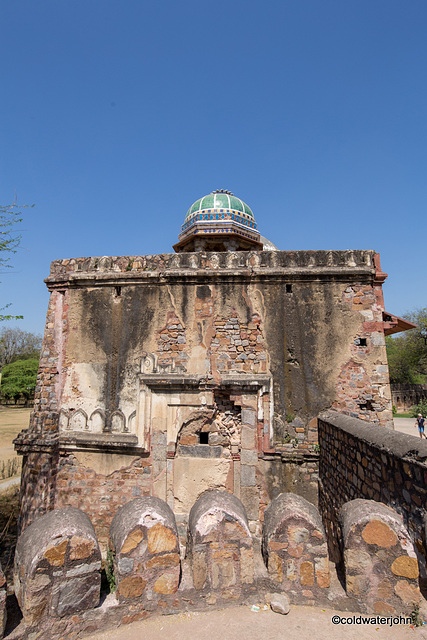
[(220, 200), (219, 222)]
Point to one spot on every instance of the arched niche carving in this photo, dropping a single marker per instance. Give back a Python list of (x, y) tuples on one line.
[(217, 427), (64, 420), (118, 421), (97, 421), (131, 423), (78, 420)]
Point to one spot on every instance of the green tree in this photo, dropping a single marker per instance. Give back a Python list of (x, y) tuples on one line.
[(10, 216), (19, 379), (407, 353), (16, 344)]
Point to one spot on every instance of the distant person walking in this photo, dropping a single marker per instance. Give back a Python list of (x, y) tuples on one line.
[(419, 422)]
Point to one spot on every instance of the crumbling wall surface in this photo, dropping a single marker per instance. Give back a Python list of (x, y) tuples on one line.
[(38, 478), (134, 344), (220, 544), (101, 483), (359, 461), (295, 548), (381, 568), (312, 319), (144, 541), (57, 570)]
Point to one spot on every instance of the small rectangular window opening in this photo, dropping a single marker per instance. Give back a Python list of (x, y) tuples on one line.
[(360, 342), (204, 437), (288, 288), (118, 291)]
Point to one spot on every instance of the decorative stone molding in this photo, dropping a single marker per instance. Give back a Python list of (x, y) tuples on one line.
[(305, 265)]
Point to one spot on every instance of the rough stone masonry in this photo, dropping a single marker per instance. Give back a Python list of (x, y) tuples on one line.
[(170, 375), (173, 374)]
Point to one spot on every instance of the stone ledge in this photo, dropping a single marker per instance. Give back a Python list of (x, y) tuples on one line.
[(310, 274), (107, 442), (27, 442), (399, 444), (178, 380)]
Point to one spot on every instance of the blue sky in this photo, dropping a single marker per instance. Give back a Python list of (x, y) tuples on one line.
[(116, 116)]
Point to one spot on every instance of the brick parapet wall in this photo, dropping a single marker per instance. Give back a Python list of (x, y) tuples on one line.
[(360, 460), (313, 262)]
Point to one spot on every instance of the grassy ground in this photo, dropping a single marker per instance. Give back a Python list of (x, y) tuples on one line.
[(402, 415)]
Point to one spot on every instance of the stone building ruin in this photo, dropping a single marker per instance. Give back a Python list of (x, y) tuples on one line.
[(182, 405), (169, 375)]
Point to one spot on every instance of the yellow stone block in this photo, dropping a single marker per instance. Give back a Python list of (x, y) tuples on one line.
[(160, 538), (55, 555), (405, 567), (379, 533), (132, 541)]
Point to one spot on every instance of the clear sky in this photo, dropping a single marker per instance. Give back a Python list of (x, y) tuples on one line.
[(116, 116)]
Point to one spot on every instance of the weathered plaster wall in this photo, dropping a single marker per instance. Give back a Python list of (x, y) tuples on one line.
[(284, 321)]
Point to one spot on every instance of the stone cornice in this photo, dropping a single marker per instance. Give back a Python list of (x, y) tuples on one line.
[(194, 267)]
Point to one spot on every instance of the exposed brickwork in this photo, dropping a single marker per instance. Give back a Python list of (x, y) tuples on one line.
[(359, 462), (144, 539), (221, 425), (171, 344), (98, 495), (360, 396), (238, 346), (362, 390), (137, 345), (37, 495), (220, 544), (45, 414)]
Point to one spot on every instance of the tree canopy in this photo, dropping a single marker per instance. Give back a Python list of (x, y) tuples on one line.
[(19, 379), (407, 352), (16, 344)]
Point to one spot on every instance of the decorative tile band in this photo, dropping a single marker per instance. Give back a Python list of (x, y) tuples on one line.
[(217, 215)]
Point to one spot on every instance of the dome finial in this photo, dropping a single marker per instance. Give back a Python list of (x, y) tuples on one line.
[(223, 191)]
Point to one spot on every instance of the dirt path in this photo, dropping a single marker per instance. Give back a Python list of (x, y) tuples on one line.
[(240, 623), (12, 421)]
